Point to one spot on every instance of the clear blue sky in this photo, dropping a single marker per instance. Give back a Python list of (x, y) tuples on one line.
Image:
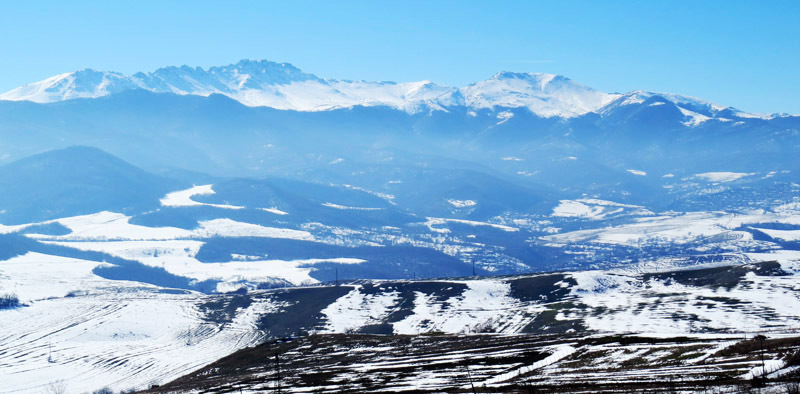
[(740, 53)]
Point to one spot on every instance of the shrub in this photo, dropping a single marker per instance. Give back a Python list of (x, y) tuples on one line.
[(8, 301)]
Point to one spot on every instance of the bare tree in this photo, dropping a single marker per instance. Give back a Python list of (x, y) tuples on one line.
[(56, 387)]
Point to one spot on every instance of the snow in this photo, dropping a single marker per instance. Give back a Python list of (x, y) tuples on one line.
[(462, 203), (115, 334), (723, 176), (78, 84), (789, 259), (792, 208), (232, 228), (568, 208), (651, 307), (162, 336), (345, 207), (768, 367), (178, 257), (588, 208), (251, 83), (282, 86), (485, 304), (13, 229), (675, 228), (694, 117), (183, 198), (559, 352), (109, 225), (36, 276), (115, 226), (695, 110), (174, 249), (546, 95), (388, 197), (785, 235), (274, 210), (356, 309), (432, 222)]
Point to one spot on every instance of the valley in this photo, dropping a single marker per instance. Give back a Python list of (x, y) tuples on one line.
[(175, 230)]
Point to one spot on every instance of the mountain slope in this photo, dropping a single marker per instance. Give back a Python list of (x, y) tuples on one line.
[(497, 364), (75, 181), (126, 335), (543, 94), (379, 148), (283, 86), (253, 83)]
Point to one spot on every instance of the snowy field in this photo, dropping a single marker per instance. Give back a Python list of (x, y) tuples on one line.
[(91, 332), (85, 332)]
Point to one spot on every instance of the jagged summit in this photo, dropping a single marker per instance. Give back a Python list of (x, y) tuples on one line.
[(284, 86), (544, 94)]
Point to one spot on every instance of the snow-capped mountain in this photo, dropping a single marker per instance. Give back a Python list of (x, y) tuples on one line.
[(85, 83), (283, 86), (690, 110), (544, 94), (253, 83)]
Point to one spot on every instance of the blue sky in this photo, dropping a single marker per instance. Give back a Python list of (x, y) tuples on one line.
[(740, 53)]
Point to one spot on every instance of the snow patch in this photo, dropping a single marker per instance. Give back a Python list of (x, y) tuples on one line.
[(345, 207), (432, 222), (722, 176), (274, 210), (183, 198), (462, 203)]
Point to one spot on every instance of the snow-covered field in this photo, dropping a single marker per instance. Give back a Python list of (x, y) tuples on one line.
[(672, 227), (92, 332), (590, 208), (83, 332), (174, 249), (498, 363)]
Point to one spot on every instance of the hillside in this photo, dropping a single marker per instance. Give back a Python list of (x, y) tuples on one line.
[(492, 364), (75, 181), (154, 223), (128, 335)]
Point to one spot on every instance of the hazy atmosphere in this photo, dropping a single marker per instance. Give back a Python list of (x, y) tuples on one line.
[(739, 53), (426, 197)]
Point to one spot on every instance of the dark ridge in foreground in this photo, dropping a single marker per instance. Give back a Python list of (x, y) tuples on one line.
[(499, 363)]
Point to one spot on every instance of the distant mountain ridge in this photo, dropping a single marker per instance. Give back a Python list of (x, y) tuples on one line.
[(282, 86), (74, 181)]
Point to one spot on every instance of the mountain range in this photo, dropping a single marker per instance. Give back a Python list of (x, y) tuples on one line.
[(153, 223), (283, 86)]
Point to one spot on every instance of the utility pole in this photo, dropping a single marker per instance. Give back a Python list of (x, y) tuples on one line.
[(473, 268), (469, 375), (277, 373), (761, 339)]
